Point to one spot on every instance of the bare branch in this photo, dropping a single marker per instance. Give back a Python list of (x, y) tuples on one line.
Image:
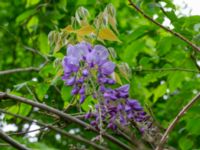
[(63, 115), (12, 142), (57, 130), (175, 121), (178, 35)]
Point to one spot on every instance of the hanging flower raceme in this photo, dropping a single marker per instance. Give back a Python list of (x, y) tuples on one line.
[(88, 70)]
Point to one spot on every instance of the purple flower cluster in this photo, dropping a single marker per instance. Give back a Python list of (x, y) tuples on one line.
[(81, 62), (88, 70), (117, 108)]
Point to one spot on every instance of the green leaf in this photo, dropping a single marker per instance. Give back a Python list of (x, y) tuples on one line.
[(164, 45), (193, 125), (24, 109), (7, 103), (185, 143), (41, 90), (13, 109), (175, 80), (25, 15), (88, 103), (63, 4), (31, 2), (43, 43), (47, 71), (66, 93), (33, 24), (159, 91)]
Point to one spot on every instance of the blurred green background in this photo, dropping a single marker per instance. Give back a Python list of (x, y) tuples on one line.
[(164, 70)]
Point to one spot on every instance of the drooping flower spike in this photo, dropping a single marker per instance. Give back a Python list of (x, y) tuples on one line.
[(88, 69)]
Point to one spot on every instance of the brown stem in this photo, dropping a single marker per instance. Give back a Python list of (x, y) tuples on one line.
[(175, 121), (178, 35)]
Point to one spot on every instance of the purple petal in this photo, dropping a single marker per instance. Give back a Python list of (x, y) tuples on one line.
[(70, 64), (80, 80), (111, 81), (75, 90), (122, 120), (103, 80), (71, 81), (71, 50), (101, 52), (132, 102), (127, 108), (124, 88), (91, 59), (82, 99), (79, 51), (112, 126), (108, 68), (82, 90), (88, 115), (106, 95), (123, 95), (85, 72), (130, 115), (66, 76), (93, 123), (137, 107), (102, 88), (119, 107)]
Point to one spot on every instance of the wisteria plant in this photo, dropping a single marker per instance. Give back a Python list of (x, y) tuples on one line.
[(98, 82), (89, 71)]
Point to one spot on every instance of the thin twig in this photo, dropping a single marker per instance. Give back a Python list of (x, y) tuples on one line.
[(175, 121), (63, 115), (12, 142), (26, 132), (165, 69), (178, 35), (36, 52), (4, 144), (57, 130), (17, 70)]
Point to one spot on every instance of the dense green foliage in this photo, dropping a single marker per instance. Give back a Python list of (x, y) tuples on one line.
[(163, 70)]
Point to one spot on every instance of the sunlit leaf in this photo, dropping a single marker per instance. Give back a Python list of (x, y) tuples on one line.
[(69, 28), (43, 43), (25, 15), (107, 34), (85, 30), (41, 90), (159, 91)]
